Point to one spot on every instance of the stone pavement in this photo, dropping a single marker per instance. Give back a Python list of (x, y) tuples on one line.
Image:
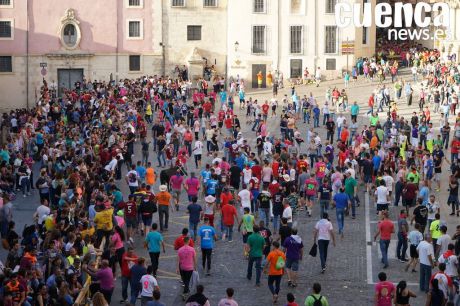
[(351, 268)]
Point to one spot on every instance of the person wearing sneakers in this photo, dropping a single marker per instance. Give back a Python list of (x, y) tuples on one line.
[(323, 234), (294, 253), (276, 260)]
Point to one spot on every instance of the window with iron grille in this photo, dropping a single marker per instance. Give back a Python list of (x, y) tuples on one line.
[(6, 64), (296, 6), (134, 63), (5, 2), (5, 29), (296, 68), (330, 44), (330, 64), (330, 6), (134, 2), (178, 3), (259, 6), (296, 39), (210, 3), (134, 29), (258, 39), (194, 32)]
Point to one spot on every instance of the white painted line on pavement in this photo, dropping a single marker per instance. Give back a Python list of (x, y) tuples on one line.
[(368, 239), (408, 283)]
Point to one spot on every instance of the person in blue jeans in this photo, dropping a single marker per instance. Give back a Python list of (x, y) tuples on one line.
[(194, 211), (137, 271), (341, 203), (256, 244), (385, 229)]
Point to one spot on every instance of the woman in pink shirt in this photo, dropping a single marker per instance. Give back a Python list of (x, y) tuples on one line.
[(116, 241)]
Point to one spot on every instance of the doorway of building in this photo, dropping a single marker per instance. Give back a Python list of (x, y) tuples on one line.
[(256, 68), (67, 79)]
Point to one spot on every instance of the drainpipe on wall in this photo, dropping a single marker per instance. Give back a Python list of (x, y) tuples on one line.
[(116, 51), (279, 37), (315, 59), (27, 54)]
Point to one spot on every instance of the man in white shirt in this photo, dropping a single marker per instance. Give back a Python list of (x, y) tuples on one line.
[(42, 211), (267, 148), (132, 178), (149, 284), (111, 166), (287, 212), (450, 260), (381, 197), (389, 181), (197, 152), (245, 198), (426, 256), (442, 243), (323, 234)]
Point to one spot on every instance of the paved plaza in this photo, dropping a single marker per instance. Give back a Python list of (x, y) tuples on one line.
[(353, 264)]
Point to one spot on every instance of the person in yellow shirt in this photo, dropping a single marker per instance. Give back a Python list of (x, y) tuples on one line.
[(104, 222), (435, 229), (260, 78), (148, 113)]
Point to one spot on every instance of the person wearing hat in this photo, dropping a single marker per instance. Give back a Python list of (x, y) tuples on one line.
[(163, 199)]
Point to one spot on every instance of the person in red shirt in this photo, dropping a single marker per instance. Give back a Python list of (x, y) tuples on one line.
[(229, 218), (454, 149), (225, 197), (345, 135), (179, 242), (275, 166), (274, 187), (130, 213), (257, 171), (128, 259), (207, 107), (265, 108), (384, 291), (385, 229), (302, 163)]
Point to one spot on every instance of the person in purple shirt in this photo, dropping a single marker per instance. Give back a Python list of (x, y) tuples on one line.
[(294, 252), (105, 277)]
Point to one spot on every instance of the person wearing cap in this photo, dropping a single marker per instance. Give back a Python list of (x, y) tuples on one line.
[(163, 199), (209, 210)]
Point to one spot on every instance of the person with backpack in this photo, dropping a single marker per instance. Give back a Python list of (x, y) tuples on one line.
[(316, 299), (274, 266)]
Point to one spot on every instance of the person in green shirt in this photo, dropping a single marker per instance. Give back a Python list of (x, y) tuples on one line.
[(435, 229), (374, 119), (315, 296), (350, 189), (413, 173), (248, 228), (256, 245)]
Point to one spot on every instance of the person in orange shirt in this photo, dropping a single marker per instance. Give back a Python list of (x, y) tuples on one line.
[(150, 176), (163, 200), (374, 141), (345, 135), (275, 269)]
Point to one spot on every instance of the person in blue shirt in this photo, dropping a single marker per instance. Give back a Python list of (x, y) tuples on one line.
[(194, 210), (223, 96), (316, 113), (424, 193), (376, 160), (153, 242), (211, 186), (207, 235), (341, 203), (141, 171)]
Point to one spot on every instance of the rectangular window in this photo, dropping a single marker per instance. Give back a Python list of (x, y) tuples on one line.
[(7, 3), (296, 68), (365, 35), (134, 29), (210, 3), (258, 39), (296, 7), (6, 29), (330, 6), (194, 32), (330, 46), (330, 64), (6, 64), (134, 63), (178, 3), (296, 39), (134, 2), (259, 6)]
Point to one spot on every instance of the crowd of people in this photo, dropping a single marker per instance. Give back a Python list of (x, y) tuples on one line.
[(91, 144)]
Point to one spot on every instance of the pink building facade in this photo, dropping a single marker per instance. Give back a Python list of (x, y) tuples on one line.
[(66, 41)]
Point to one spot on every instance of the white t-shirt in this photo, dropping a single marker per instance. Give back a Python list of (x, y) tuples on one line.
[(381, 194), (245, 197), (287, 213), (424, 250), (247, 174), (111, 165), (267, 148), (432, 210), (198, 148), (443, 283), (388, 182), (451, 264), (132, 174), (443, 242), (324, 227), (148, 283), (42, 212)]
